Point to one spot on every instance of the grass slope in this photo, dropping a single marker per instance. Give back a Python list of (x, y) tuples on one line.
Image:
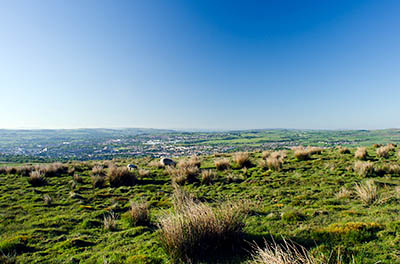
[(299, 203)]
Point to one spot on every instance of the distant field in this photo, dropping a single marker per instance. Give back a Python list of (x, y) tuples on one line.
[(309, 197)]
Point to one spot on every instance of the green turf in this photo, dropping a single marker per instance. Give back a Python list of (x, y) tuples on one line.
[(298, 203)]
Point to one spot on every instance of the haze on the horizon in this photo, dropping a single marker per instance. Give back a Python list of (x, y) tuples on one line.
[(199, 64)]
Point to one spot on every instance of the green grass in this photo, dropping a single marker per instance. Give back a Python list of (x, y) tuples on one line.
[(298, 203)]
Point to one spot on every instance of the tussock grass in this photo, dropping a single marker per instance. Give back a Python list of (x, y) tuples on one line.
[(344, 193), (384, 151), (275, 160), (196, 229), (361, 153), (47, 199), (285, 253), (142, 173), (208, 176), (98, 181), (110, 222), (193, 161), (265, 154), (343, 150), (364, 168), (98, 170), (121, 176), (367, 192), (36, 178), (181, 175), (242, 159), (222, 164), (139, 213)]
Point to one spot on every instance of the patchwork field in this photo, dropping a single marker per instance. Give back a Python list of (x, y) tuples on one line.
[(310, 205)]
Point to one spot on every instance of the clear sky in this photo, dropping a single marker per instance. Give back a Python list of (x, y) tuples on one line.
[(200, 64)]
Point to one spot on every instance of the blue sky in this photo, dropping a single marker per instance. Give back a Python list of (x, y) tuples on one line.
[(200, 64)]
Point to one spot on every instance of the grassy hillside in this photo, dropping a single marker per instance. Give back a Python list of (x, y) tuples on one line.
[(326, 200)]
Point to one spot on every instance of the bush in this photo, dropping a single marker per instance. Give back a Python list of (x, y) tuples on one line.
[(361, 153), (139, 214), (36, 178), (242, 159), (196, 229), (121, 176), (364, 168), (222, 164)]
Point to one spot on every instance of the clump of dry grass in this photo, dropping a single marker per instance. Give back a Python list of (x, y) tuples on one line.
[(343, 150), (139, 213), (222, 164), (285, 253), (301, 153), (98, 170), (54, 169), (364, 168), (265, 154), (361, 153), (77, 178), (208, 176), (121, 176), (156, 164), (344, 193), (367, 192), (397, 191), (196, 229), (242, 159), (384, 151), (98, 181), (142, 173), (183, 174), (110, 222), (47, 199), (36, 178), (275, 160)]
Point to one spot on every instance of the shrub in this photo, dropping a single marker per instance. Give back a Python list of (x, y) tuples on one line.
[(222, 164), (121, 176), (367, 192), (242, 159), (364, 168), (285, 253), (197, 230), (139, 213), (208, 176), (361, 153), (183, 175), (36, 178)]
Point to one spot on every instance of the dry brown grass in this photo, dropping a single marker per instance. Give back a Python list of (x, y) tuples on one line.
[(301, 153), (275, 160), (367, 192), (142, 173), (343, 150), (242, 159), (364, 168), (110, 222), (156, 164), (222, 164), (98, 181), (208, 176), (98, 170), (183, 174), (195, 229), (344, 193), (47, 199), (37, 178), (361, 153), (384, 151), (121, 176), (77, 178), (139, 213), (285, 253), (397, 191), (265, 154)]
